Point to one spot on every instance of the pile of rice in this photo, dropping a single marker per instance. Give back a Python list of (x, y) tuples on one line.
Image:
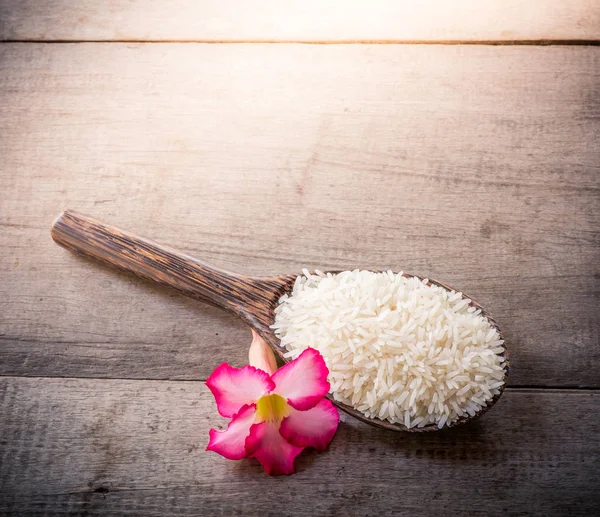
[(396, 348)]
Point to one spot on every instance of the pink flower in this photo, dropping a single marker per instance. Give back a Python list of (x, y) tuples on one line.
[(273, 417)]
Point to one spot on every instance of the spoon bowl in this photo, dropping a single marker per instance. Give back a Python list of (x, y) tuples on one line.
[(253, 299)]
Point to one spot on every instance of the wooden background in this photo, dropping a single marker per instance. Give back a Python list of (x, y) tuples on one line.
[(476, 164)]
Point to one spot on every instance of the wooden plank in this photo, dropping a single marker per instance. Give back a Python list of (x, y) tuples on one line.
[(137, 448), (474, 165), (309, 20)]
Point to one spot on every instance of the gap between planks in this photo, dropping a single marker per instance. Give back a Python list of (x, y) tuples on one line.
[(534, 42), (518, 388)]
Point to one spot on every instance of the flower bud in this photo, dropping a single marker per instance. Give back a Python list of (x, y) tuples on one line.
[(261, 356)]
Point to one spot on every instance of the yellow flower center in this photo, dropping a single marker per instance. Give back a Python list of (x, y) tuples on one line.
[(271, 408)]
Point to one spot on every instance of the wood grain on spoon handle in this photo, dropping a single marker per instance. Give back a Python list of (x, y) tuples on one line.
[(250, 298)]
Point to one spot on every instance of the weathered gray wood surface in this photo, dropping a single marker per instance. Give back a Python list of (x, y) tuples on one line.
[(474, 165), (478, 166), (98, 447), (307, 20)]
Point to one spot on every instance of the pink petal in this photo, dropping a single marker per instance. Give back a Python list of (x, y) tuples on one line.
[(273, 452), (313, 428), (231, 443), (234, 388), (303, 382)]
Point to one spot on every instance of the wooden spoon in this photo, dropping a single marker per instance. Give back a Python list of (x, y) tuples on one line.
[(251, 298)]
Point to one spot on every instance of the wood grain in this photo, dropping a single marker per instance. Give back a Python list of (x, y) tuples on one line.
[(309, 20), (108, 447), (477, 166), (251, 298)]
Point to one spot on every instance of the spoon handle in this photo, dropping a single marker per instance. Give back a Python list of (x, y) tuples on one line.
[(155, 262)]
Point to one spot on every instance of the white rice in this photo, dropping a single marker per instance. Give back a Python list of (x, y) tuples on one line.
[(396, 348)]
